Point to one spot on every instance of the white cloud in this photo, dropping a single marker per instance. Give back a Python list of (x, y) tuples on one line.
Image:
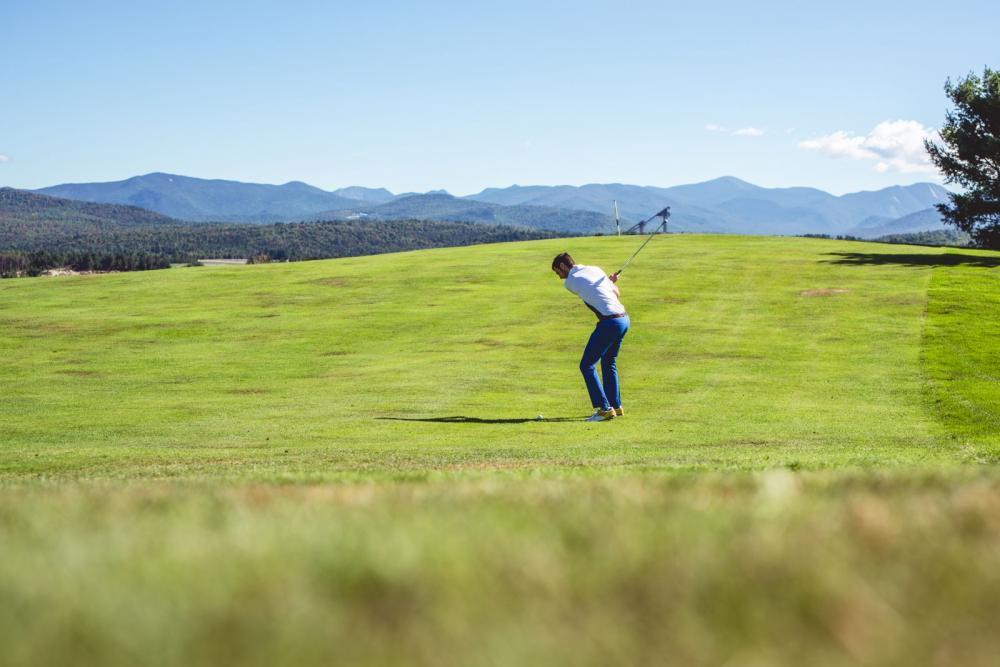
[(894, 145), (4, 158), (839, 144), (742, 132)]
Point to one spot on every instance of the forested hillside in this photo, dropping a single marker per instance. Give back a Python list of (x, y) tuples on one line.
[(25, 209), (38, 232), (291, 241)]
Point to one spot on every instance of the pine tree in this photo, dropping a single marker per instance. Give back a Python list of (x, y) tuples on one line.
[(970, 157)]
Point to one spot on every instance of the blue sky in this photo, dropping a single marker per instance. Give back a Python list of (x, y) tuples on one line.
[(417, 96)]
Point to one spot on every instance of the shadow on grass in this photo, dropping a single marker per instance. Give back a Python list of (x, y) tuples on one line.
[(926, 259), (459, 419)]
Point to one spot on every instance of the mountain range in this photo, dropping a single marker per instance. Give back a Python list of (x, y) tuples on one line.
[(726, 204), (729, 204), (443, 206), (198, 199)]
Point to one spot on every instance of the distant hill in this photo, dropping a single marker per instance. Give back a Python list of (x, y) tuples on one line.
[(728, 188), (22, 207), (215, 200), (926, 220), (941, 237), (30, 222), (368, 195), (729, 204), (446, 207)]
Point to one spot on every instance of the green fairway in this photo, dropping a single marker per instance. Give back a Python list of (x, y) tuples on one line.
[(340, 460), (744, 353)]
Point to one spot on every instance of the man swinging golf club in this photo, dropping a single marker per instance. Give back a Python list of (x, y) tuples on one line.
[(599, 293)]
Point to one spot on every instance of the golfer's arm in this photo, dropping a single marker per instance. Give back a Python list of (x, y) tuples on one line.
[(614, 285)]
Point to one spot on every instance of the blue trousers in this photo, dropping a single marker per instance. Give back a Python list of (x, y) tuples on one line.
[(603, 346)]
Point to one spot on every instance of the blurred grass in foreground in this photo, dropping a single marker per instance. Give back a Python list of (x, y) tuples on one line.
[(743, 569)]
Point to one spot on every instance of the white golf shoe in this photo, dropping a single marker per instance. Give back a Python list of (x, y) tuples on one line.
[(601, 415)]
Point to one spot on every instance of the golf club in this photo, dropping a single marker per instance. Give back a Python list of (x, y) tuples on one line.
[(664, 215)]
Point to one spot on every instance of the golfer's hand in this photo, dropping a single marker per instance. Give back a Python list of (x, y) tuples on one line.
[(614, 277)]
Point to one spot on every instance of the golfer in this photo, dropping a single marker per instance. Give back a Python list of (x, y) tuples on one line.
[(599, 293)]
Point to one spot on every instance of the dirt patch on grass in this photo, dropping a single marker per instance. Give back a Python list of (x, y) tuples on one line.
[(490, 465), (37, 329), (246, 391), (332, 282), (905, 300), (823, 292), (714, 355), (340, 281), (77, 373)]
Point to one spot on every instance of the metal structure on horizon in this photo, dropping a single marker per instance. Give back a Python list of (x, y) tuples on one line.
[(640, 228)]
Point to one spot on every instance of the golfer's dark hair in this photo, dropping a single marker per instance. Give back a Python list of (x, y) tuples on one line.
[(562, 258)]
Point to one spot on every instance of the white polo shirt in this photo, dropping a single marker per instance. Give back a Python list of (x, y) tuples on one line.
[(592, 285)]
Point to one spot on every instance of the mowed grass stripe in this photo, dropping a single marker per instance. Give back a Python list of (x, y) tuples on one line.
[(960, 353), (745, 353)]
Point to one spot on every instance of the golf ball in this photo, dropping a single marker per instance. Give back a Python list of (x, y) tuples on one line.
[(538, 418)]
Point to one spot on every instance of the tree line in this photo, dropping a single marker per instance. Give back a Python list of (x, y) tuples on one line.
[(39, 245), (15, 264)]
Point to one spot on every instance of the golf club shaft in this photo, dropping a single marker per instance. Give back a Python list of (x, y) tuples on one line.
[(629, 260)]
